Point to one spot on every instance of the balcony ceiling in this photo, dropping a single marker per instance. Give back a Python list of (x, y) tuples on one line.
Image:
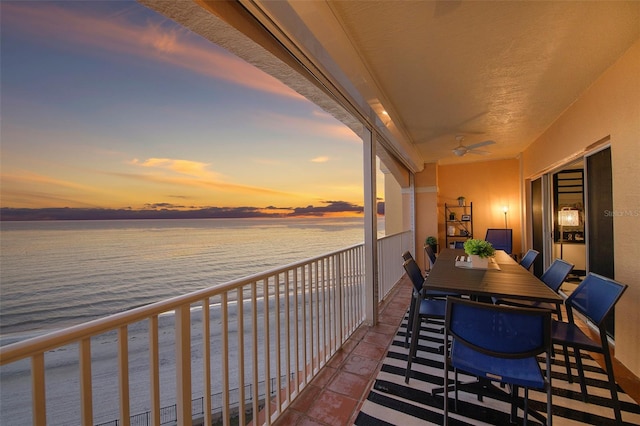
[(501, 71), (488, 70)]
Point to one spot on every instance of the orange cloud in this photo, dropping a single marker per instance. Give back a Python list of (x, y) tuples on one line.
[(208, 184), (152, 42), (34, 178), (187, 167), (330, 129), (321, 159)]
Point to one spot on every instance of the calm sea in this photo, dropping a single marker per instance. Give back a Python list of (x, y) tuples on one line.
[(59, 273)]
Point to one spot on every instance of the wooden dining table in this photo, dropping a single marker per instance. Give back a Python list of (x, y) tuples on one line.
[(504, 278)]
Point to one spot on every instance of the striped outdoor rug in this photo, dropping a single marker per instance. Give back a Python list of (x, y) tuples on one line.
[(392, 402)]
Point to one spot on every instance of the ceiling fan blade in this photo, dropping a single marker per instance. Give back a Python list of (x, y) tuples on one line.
[(479, 144), (478, 152)]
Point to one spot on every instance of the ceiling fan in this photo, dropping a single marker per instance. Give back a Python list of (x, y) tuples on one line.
[(461, 150)]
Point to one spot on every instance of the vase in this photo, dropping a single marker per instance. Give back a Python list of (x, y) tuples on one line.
[(478, 262)]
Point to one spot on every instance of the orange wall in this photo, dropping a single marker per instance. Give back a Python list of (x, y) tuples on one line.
[(490, 185), (610, 108)]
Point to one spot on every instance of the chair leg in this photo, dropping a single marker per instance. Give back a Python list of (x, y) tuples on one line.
[(583, 385), (526, 406), (612, 386), (567, 363), (549, 389), (409, 323), (415, 336), (455, 389), (514, 407), (446, 390)]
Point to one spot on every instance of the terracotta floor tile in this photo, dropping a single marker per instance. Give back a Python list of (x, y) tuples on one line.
[(308, 396), (388, 329), (378, 339), (289, 418), (332, 408), (337, 360), (306, 421), (349, 384), (324, 376), (359, 333), (358, 364), (370, 350)]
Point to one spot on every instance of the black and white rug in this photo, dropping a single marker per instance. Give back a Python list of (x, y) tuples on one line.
[(392, 402)]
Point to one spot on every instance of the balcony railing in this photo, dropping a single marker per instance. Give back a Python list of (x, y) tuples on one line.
[(229, 341)]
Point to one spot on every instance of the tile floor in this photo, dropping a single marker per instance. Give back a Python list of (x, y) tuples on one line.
[(334, 397)]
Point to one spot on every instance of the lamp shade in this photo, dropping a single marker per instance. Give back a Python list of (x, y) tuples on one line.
[(568, 217)]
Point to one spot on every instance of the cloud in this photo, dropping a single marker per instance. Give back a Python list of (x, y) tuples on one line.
[(186, 167), (151, 41), (331, 128), (164, 210), (203, 182), (40, 180), (321, 159), (331, 208)]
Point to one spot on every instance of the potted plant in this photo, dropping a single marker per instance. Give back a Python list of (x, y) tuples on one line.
[(461, 201), (479, 251), (433, 242)]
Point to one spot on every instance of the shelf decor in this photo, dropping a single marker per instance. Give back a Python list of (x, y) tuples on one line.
[(458, 222)]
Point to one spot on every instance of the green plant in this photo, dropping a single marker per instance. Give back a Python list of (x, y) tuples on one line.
[(481, 248), (431, 241)]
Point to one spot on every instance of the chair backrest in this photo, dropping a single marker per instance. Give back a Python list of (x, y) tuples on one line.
[(498, 330), (500, 238), (406, 255), (414, 273), (458, 244), (556, 274), (528, 259), (595, 297), (428, 251)]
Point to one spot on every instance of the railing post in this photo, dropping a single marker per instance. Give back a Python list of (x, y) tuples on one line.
[(123, 374), (183, 365), (86, 394), (39, 400), (154, 371)]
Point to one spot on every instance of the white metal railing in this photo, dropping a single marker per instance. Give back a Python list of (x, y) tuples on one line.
[(390, 268), (250, 345)]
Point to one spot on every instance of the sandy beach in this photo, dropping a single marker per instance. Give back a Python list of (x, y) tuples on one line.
[(62, 382)]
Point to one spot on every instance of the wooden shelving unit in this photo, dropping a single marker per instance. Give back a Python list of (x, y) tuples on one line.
[(461, 219)]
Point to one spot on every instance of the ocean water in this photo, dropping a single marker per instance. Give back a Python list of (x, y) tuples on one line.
[(55, 274)]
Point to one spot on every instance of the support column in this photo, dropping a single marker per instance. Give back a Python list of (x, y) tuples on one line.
[(370, 228)]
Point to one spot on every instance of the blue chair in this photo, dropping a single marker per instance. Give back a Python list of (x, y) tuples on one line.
[(594, 298), (422, 307), (498, 344), (430, 256), (528, 259), (553, 277), (500, 238)]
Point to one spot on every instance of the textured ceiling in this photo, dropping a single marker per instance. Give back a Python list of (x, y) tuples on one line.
[(502, 71), (488, 70)]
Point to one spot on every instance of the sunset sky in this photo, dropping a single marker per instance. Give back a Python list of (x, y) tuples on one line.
[(110, 105)]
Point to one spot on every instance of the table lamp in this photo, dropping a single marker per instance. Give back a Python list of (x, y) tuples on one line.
[(567, 217)]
